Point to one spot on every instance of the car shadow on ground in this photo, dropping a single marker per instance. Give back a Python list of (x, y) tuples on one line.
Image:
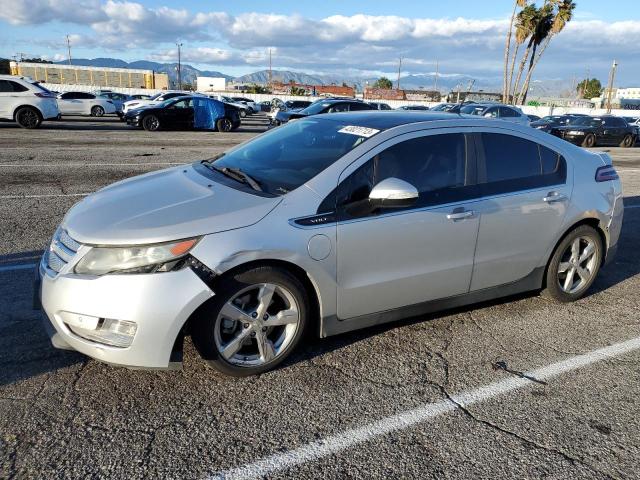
[(25, 350)]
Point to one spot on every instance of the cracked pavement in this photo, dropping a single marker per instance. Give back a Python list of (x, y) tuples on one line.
[(66, 416)]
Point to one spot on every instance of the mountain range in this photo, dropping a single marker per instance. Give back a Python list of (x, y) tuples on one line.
[(410, 82)]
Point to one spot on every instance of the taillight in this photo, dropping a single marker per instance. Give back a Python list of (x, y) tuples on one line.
[(606, 173), (44, 95)]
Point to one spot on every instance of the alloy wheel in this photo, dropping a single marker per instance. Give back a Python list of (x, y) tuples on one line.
[(577, 265), (257, 325), (28, 118)]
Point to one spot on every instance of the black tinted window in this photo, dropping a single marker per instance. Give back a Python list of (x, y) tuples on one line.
[(85, 96), (510, 164), (508, 112), (508, 157), (360, 106), (429, 163), (5, 86), (339, 107), (69, 95)]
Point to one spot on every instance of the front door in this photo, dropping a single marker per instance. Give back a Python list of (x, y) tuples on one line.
[(525, 195), (396, 257)]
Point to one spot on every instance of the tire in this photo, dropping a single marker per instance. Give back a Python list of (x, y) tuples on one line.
[(564, 263), (235, 125), (150, 123), (589, 141), (224, 124), (215, 332), (28, 117), (628, 141), (97, 111)]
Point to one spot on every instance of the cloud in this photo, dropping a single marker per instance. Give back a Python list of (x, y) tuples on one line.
[(335, 43)]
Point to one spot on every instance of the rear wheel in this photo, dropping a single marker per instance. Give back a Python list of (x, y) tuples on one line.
[(574, 265), (589, 141), (224, 125), (28, 117), (627, 141), (151, 123), (97, 111), (254, 322)]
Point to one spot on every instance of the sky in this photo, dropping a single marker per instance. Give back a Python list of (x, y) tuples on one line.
[(347, 37)]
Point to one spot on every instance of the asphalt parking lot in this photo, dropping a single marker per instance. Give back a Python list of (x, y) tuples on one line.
[(442, 396)]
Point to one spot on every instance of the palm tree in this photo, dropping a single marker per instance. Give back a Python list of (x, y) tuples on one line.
[(526, 26), (505, 84), (557, 22)]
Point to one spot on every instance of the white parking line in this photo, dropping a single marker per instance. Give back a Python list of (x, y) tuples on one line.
[(22, 266), (65, 165), (349, 438), (46, 195)]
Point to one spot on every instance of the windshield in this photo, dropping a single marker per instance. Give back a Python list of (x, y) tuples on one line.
[(587, 122), (473, 109), (284, 158), (315, 108), (153, 97)]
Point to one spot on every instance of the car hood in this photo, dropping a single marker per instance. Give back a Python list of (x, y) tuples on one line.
[(163, 206), (132, 112)]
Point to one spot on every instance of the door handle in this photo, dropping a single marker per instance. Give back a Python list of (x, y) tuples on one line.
[(460, 215), (554, 197)]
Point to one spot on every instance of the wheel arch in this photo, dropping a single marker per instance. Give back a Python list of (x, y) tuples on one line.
[(589, 221), (15, 110), (298, 272)]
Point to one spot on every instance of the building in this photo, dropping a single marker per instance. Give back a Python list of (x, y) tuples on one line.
[(479, 96), (94, 76), (423, 95), (628, 93), (211, 84), (371, 93)]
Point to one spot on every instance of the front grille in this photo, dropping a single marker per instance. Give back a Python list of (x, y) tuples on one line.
[(61, 251)]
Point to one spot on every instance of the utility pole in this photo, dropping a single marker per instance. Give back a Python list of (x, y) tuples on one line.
[(69, 49), (179, 66), (612, 77), (435, 84), (399, 69), (270, 72)]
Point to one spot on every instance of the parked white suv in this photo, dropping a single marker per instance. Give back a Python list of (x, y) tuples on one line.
[(26, 102), (83, 103)]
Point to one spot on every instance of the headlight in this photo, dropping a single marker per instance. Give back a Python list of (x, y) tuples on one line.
[(161, 257), (575, 132)]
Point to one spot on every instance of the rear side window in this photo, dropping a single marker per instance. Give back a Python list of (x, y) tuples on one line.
[(508, 164), (7, 86), (359, 106), (506, 112)]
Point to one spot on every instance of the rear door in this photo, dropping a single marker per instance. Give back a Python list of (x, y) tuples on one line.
[(7, 98), (398, 257), (614, 130), (525, 196), (70, 104)]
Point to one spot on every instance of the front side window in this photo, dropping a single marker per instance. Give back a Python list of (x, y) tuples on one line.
[(436, 165), (509, 164)]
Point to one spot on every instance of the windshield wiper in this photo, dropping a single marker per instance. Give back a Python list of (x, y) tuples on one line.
[(239, 176)]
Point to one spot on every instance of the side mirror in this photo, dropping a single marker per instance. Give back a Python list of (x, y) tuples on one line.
[(393, 193)]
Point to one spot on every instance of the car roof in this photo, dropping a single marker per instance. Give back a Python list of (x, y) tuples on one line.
[(388, 119)]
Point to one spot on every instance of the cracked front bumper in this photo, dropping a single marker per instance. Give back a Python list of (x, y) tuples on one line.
[(159, 304)]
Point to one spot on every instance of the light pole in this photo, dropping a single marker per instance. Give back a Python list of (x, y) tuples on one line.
[(179, 67), (612, 77), (69, 49)]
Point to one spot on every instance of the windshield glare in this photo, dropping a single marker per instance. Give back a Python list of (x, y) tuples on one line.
[(587, 122), (473, 109), (286, 157), (315, 108)]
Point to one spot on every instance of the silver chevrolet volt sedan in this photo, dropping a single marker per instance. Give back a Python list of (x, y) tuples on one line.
[(328, 224)]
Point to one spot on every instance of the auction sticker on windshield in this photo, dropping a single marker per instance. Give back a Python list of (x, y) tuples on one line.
[(359, 131)]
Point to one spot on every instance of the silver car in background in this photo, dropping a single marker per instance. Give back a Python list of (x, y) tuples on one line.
[(507, 113), (329, 224)]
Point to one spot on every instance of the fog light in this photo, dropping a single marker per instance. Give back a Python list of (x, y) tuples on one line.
[(117, 333)]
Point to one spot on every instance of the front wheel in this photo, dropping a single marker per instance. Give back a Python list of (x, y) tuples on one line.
[(589, 141), (627, 141), (254, 322), (97, 111), (150, 123), (28, 117), (574, 265)]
